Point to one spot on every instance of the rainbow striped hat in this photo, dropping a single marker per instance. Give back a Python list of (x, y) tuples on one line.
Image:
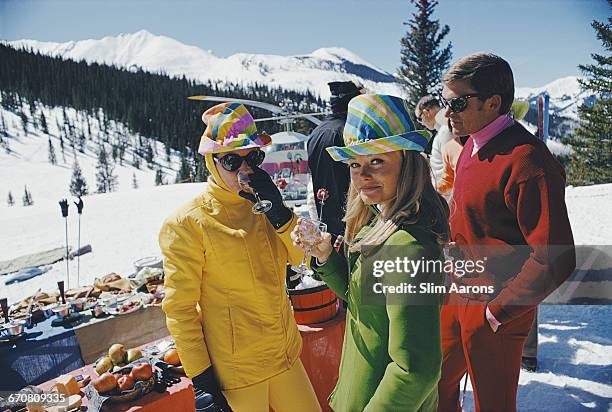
[(378, 123), (230, 126)]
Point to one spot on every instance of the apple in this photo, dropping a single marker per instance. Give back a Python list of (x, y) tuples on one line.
[(105, 383), (171, 357), (126, 382), (117, 354), (141, 372), (133, 354), (104, 365)]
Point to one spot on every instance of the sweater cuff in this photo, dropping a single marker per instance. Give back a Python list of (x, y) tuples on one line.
[(491, 318), (498, 312), (333, 264)]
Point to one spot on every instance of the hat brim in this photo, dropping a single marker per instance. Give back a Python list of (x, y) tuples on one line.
[(209, 146), (416, 141)]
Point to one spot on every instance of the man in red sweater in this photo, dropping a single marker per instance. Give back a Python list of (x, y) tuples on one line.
[(508, 209)]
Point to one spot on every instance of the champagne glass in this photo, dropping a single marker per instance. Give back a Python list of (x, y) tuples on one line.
[(260, 206), (310, 233)]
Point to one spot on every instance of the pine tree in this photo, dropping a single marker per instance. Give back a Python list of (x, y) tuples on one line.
[(168, 159), (184, 173), (114, 152), (591, 160), (43, 122), (51, 153), (81, 141), (159, 177), (136, 160), (59, 128), (88, 127), (24, 121), (78, 184), (149, 154), (134, 181), (61, 139), (10, 199), (121, 152), (201, 173), (422, 60), (32, 107), (27, 197), (3, 130), (106, 180)]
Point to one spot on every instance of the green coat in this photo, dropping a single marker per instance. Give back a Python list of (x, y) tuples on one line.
[(392, 355)]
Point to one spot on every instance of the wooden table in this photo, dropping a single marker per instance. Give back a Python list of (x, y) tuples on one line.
[(178, 397), (320, 355)]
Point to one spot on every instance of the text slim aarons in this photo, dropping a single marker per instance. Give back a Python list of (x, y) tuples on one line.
[(411, 268)]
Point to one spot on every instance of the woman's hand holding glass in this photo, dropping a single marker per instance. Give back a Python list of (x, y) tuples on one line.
[(321, 248)]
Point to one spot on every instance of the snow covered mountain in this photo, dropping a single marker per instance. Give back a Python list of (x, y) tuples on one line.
[(163, 54), (302, 72), (565, 96)]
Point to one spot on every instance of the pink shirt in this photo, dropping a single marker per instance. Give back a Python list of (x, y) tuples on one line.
[(491, 130), (481, 138)]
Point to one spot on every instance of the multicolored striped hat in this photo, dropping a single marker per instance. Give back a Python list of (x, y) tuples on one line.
[(230, 126), (378, 123)]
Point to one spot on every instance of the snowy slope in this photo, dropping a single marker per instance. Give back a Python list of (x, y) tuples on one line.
[(27, 163), (160, 53), (575, 341)]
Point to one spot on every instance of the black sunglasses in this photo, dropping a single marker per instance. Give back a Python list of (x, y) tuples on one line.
[(232, 162), (458, 104)]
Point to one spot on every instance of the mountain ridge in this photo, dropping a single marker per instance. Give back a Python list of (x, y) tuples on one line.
[(302, 72)]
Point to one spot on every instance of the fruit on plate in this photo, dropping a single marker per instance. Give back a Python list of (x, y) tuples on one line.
[(117, 353), (104, 365), (126, 382), (105, 383), (141, 372), (171, 357), (129, 306), (133, 354)]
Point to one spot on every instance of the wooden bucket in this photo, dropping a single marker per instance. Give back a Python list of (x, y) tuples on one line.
[(314, 305)]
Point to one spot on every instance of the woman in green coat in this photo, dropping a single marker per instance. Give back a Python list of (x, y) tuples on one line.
[(391, 357)]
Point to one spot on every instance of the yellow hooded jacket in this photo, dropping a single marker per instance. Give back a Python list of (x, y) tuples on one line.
[(226, 303)]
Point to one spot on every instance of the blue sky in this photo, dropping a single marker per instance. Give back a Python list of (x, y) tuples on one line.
[(542, 39)]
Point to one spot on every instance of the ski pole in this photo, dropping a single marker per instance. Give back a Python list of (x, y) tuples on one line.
[(79, 206), (64, 205)]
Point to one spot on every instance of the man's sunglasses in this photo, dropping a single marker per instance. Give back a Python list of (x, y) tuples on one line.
[(232, 162), (458, 104)]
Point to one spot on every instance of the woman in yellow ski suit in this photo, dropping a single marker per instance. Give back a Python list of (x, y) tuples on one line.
[(226, 303)]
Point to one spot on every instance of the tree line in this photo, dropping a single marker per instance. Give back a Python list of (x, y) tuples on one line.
[(150, 104)]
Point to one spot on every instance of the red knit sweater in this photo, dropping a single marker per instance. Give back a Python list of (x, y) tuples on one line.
[(510, 196)]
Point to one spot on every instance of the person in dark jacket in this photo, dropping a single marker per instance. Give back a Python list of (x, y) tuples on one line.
[(326, 173)]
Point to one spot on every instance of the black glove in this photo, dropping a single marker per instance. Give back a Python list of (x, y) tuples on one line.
[(79, 205), (262, 183), (208, 395), (64, 205)]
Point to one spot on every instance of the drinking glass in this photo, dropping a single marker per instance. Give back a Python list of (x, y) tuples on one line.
[(260, 206), (310, 233)]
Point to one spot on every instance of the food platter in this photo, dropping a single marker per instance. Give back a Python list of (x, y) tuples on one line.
[(129, 306)]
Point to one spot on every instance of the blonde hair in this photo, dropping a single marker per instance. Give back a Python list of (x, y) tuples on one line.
[(415, 197)]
